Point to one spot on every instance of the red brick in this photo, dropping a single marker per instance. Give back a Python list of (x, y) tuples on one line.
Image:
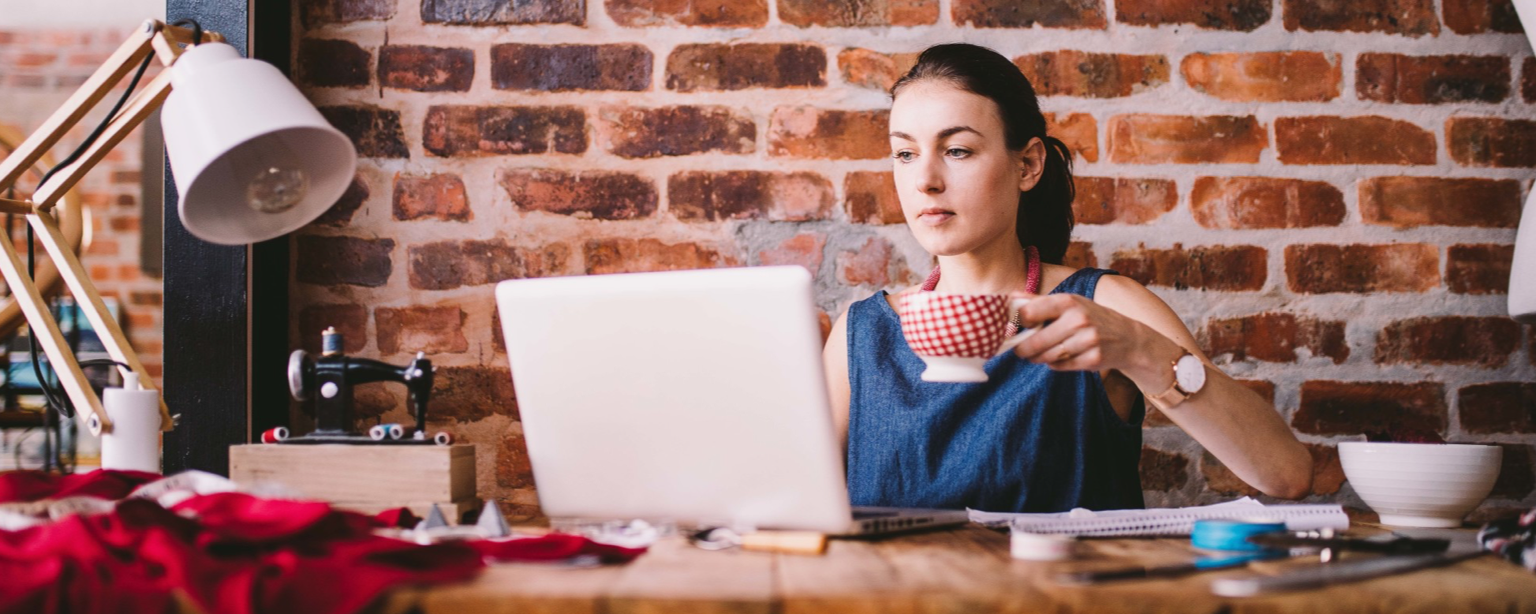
[(452, 130), (606, 256), (1402, 267), (504, 12), (1449, 340), (316, 12), (1406, 17), (1271, 76), (870, 265), (1163, 471), (1516, 475), (471, 394), (350, 319), (445, 265), (1092, 75), (438, 196), (1528, 80), (333, 63), (340, 214), (702, 13), (344, 260), (376, 132), (858, 13), (1481, 16), (1353, 408), (810, 132), (1157, 139), (513, 469), (805, 249), (1478, 269), (1079, 255), (872, 198), (716, 67), (736, 195), (1078, 131), (1077, 14), (1230, 268), (1265, 202), (1111, 200), (872, 69), (1352, 140), (145, 298), (432, 330), (1491, 141), (564, 68), (678, 131), (369, 403), (1408, 202), (426, 69), (1244, 15), (1274, 337), (1431, 79), (603, 195), (1496, 409)]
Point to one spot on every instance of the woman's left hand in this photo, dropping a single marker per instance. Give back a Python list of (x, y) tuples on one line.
[(1079, 334)]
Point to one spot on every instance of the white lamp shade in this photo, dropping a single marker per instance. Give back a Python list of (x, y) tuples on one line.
[(1522, 272), (235, 128)]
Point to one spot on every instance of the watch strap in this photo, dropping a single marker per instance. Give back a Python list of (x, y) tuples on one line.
[(1175, 394)]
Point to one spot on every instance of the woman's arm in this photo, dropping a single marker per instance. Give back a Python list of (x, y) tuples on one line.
[(834, 356), (1129, 329)]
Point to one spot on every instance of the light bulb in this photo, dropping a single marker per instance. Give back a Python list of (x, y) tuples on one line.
[(276, 189)]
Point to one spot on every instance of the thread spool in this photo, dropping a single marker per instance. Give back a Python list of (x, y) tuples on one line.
[(277, 434), (134, 442), (442, 438), (378, 432), (1029, 546), (1232, 535)]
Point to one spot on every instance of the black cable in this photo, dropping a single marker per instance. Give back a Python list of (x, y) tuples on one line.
[(197, 30)]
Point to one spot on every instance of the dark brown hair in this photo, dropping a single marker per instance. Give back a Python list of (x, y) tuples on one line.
[(1045, 211)]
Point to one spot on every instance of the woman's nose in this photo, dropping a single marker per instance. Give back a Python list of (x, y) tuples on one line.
[(930, 178)]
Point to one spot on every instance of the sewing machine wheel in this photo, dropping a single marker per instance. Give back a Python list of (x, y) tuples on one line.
[(298, 367)]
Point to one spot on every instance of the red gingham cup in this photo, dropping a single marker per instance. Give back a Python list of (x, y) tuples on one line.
[(955, 334)]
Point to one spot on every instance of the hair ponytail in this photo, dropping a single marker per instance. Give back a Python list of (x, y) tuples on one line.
[(1045, 211)]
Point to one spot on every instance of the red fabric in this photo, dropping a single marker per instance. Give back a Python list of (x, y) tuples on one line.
[(25, 486), (400, 518), (231, 552)]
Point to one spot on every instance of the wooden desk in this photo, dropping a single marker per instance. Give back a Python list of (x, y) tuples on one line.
[(964, 570)]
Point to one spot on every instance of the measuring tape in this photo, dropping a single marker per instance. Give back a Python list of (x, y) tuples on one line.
[(1232, 535)]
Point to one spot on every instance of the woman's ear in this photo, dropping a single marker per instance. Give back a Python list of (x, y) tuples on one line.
[(1031, 164)]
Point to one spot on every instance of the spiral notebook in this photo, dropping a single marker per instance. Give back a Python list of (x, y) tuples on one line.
[(1165, 521)]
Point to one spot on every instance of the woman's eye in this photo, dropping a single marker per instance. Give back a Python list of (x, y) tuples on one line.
[(956, 152), (904, 156)]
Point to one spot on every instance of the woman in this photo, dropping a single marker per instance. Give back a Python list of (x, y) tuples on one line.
[(1058, 424)]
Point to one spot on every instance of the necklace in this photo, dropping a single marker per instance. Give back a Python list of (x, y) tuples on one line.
[(1031, 284)]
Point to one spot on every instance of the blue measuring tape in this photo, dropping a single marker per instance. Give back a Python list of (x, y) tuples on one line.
[(1232, 535)]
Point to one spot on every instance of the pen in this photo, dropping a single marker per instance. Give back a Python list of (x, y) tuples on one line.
[(1167, 571)]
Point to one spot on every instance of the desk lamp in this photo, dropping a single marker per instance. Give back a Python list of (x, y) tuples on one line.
[(253, 160)]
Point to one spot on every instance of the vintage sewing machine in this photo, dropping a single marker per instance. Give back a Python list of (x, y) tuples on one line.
[(391, 466), (329, 380)]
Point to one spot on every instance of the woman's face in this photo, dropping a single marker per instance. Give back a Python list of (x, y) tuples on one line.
[(956, 178)]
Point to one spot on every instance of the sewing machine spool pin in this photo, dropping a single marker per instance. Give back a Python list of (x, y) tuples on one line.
[(329, 380)]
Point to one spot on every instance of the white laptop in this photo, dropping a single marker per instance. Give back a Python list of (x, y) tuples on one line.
[(689, 396)]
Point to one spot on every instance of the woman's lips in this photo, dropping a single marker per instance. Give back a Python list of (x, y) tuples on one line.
[(934, 217)]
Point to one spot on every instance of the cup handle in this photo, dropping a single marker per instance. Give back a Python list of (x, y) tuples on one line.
[(1011, 342)]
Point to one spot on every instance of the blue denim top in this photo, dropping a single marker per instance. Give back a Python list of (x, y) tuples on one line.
[(1028, 440)]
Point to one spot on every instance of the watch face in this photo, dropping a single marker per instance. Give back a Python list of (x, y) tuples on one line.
[(1191, 373)]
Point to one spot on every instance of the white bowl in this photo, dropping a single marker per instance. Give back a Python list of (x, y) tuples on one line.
[(1421, 484)]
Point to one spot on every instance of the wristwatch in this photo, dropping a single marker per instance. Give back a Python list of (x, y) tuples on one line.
[(1188, 378)]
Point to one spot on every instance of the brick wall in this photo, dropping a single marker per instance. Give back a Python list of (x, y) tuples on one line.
[(39, 69), (1326, 191)]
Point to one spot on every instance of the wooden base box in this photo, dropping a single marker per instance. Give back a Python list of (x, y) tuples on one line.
[(365, 478)]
